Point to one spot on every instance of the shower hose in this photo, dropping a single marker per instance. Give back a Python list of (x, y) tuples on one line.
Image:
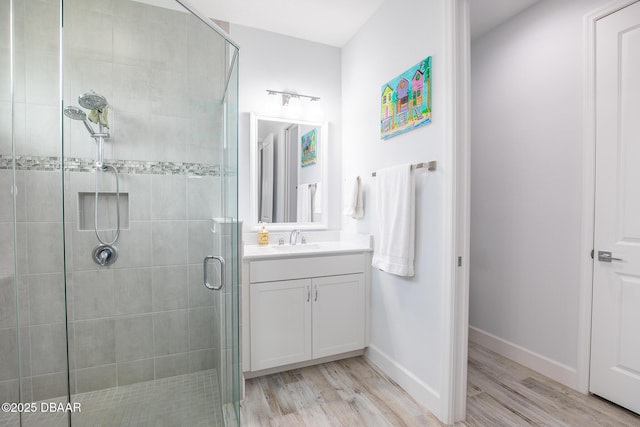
[(99, 170)]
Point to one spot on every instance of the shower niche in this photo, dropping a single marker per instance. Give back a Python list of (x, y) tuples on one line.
[(108, 202)]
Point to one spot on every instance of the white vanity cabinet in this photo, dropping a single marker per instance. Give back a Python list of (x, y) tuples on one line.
[(303, 309), (280, 323), (337, 314)]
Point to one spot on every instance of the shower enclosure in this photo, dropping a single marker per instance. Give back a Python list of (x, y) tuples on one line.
[(118, 246)]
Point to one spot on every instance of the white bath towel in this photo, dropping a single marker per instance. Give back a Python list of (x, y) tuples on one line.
[(353, 198), (304, 203), (395, 208)]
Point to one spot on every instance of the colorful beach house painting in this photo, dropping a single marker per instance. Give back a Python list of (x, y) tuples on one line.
[(406, 100), (308, 148)]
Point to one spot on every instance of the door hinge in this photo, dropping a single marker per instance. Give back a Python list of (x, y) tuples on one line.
[(592, 253), (459, 261)]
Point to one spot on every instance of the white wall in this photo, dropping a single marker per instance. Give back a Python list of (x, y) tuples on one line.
[(274, 61), (526, 185), (406, 313)]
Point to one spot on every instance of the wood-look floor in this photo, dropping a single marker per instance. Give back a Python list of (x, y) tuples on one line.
[(352, 393)]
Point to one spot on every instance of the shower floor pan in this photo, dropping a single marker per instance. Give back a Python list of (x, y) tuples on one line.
[(184, 400)]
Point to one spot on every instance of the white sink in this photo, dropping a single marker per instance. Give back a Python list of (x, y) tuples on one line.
[(306, 247), (281, 251)]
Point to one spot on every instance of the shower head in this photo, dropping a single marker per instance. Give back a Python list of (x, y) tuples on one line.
[(74, 113), (92, 101)]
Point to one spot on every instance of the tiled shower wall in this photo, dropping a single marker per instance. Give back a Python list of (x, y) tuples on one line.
[(148, 315)]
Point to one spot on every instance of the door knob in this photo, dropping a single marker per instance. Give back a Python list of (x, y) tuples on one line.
[(605, 256)]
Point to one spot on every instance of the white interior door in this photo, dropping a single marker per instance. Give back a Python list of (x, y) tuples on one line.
[(615, 340)]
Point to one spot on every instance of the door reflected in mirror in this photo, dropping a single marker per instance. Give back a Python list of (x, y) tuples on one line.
[(288, 173)]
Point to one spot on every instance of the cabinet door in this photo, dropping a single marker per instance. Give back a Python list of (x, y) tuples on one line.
[(280, 323), (338, 314)]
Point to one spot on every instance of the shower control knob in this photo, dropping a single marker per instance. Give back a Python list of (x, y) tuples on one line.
[(105, 255)]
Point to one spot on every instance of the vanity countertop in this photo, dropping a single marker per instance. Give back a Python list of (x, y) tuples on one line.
[(256, 252)]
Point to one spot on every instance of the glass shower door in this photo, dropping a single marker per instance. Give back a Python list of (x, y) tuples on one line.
[(150, 189), (118, 176), (33, 297), (231, 365)]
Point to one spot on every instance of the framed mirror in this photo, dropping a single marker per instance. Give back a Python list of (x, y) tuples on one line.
[(288, 174)]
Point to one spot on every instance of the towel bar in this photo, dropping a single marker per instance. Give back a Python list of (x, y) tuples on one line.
[(431, 166), (314, 185)]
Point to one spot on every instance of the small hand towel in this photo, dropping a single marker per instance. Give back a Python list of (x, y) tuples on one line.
[(352, 205), (317, 199), (359, 212), (304, 203), (96, 116), (395, 208)]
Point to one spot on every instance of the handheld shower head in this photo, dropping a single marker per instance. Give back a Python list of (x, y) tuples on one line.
[(76, 113), (92, 101)]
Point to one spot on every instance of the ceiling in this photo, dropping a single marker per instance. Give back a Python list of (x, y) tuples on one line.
[(488, 14), (332, 22), (335, 22)]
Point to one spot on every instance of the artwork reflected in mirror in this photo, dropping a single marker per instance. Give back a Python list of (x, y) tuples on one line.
[(288, 171)]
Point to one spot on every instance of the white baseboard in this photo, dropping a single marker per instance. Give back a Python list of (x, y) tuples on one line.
[(254, 374), (420, 391), (550, 368)]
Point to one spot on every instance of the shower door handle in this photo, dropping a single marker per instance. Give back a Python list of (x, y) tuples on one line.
[(222, 273)]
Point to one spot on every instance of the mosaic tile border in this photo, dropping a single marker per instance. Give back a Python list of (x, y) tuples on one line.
[(74, 164)]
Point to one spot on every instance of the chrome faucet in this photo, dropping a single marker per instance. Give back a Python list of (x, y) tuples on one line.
[(293, 237)]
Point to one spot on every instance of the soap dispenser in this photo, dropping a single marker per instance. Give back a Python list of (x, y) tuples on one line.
[(263, 235)]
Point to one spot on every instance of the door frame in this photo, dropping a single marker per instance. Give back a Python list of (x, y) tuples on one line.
[(588, 187), (455, 295)]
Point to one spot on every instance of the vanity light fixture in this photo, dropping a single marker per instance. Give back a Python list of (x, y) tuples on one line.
[(287, 96)]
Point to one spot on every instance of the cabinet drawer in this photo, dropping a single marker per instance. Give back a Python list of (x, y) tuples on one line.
[(295, 268)]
